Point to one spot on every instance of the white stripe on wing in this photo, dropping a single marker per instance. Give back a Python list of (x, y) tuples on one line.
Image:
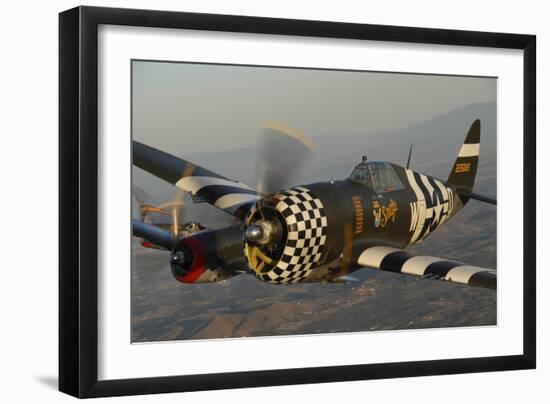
[(417, 265), (372, 257), (227, 201), (195, 183), (463, 273)]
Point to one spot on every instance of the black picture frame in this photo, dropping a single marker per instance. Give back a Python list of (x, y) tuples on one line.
[(78, 200)]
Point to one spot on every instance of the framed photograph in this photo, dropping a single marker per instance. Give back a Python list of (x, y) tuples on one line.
[(250, 201)]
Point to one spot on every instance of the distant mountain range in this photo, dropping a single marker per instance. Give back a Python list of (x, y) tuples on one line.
[(436, 143), (435, 140)]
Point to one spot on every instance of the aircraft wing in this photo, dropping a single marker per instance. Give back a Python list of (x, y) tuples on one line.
[(396, 260), (204, 185), (153, 234)]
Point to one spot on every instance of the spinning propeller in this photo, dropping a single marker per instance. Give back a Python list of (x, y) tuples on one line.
[(267, 227), (283, 152), (175, 207), (161, 224)]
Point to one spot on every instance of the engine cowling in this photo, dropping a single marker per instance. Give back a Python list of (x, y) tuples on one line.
[(285, 236)]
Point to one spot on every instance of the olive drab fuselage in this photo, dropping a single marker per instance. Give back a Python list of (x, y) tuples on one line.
[(358, 211), (389, 216)]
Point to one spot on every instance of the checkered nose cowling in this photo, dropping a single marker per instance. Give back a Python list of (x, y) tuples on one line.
[(300, 248)]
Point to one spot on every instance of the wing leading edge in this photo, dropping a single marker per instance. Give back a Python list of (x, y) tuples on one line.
[(396, 260), (204, 185)]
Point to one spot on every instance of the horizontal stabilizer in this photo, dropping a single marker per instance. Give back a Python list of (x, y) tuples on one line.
[(466, 193)]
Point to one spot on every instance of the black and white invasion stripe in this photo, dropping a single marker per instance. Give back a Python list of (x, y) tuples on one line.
[(396, 260), (204, 185), (433, 205), (223, 193)]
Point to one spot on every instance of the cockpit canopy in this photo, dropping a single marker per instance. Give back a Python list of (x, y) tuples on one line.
[(379, 175)]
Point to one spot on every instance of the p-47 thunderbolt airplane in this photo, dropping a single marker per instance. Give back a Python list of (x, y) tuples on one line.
[(318, 232)]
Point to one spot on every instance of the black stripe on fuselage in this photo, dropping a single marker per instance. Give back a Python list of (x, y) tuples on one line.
[(437, 190), (428, 200), (394, 261), (441, 268), (213, 192), (422, 186)]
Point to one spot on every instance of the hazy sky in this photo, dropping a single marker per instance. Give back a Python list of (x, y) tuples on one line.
[(196, 107)]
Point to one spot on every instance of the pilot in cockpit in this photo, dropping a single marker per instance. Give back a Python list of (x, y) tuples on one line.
[(361, 173)]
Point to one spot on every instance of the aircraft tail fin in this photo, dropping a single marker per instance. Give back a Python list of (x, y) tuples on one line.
[(463, 173)]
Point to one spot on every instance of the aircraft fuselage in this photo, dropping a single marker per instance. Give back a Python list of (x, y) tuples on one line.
[(327, 224)]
